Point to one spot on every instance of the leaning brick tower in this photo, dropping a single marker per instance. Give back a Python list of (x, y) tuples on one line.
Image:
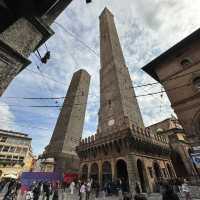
[(69, 126)]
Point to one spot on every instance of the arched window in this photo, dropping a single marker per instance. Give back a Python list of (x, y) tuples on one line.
[(94, 172), (85, 172), (186, 62)]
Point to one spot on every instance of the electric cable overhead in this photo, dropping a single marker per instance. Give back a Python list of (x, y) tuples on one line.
[(77, 38), (142, 95)]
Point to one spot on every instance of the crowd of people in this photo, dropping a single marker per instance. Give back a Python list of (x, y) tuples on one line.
[(43, 190), (10, 189), (171, 189), (90, 190)]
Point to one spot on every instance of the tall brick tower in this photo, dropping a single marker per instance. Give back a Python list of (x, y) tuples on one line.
[(118, 103), (122, 147), (69, 126)]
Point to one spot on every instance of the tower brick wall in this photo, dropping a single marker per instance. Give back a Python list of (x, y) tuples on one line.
[(118, 104), (69, 126)]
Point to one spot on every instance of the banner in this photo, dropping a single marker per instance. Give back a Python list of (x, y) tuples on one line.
[(196, 159), (27, 178)]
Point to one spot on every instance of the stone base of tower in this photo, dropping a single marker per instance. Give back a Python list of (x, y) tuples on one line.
[(64, 163), (67, 164), (130, 155)]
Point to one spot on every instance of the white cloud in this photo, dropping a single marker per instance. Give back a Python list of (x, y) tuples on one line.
[(7, 118), (146, 29)]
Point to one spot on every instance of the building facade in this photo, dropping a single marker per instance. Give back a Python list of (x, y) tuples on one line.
[(25, 26), (178, 70), (42, 164), (122, 148), (15, 153), (69, 126), (180, 146)]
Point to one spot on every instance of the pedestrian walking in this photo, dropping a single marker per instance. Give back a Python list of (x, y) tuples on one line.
[(88, 189), (72, 186), (96, 188), (11, 191), (169, 194), (29, 195), (124, 189), (186, 190), (36, 192), (46, 189), (83, 191), (55, 195)]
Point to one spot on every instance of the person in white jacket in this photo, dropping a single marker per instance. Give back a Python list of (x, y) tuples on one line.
[(29, 195), (72, 186)]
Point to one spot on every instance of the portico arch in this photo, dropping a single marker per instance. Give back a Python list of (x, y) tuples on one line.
[(121, 169), (85, 172), (106, 173), (94, 172)]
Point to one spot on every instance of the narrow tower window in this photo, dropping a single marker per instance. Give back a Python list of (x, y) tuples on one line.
[(109, 103)]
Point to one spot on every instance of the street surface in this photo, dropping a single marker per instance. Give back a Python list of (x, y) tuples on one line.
[(68, 196)]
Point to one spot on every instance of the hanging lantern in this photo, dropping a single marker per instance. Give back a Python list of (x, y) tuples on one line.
[(46, 57)]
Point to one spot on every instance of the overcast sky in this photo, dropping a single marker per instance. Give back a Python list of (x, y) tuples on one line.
[(146, 28)]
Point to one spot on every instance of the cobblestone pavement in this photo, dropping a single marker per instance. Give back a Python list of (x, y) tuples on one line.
[(67, 196)]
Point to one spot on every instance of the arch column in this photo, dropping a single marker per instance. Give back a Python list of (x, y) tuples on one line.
[(100, 172), (132, 172), (113, 163), (144, 181), (89, 170), (146, 178)]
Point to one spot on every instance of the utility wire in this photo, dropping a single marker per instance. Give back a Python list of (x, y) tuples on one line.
[(142, 95), (47, 76), (47, 84), (58, 82), (77, 38)]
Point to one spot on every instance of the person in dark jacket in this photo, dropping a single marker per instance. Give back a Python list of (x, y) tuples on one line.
[(96, 188), (36, 192), (169, 194), (46, 188), (55, 195)]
